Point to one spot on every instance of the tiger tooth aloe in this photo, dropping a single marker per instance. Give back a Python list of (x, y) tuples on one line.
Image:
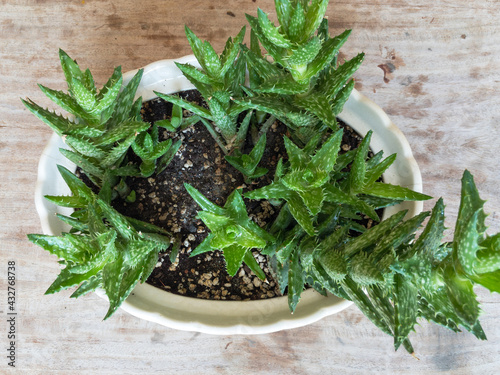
[(105, 125), (247, 163), (394, 275), (218, 82), (304, 86), (232, 231), (104, 250)]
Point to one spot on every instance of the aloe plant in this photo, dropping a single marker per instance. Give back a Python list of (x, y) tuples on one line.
[(103, 125), (303, 86), (105, 249), (218, 82), (247, 163), (232, 231), (306, 182), (321, 193)]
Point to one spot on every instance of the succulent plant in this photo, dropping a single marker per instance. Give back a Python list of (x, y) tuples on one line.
[(104, 249), (303, 86), (306, 182), (218, 82), (232, 231), (247, 163), (321, 193), (103, 126)]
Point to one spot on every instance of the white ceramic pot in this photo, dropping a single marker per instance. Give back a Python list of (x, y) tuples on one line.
[(232, 317)]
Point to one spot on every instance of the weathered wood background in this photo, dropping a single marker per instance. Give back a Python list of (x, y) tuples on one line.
[(432, 65)]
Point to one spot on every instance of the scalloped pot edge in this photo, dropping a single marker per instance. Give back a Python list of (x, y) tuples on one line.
[(232, 317)]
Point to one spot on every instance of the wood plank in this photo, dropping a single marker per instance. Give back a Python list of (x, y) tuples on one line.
[(433, 66)]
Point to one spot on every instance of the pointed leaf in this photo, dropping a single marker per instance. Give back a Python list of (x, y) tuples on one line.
[(271, 32), (234, 255), (202, 201), (383, 190), (300, 213)]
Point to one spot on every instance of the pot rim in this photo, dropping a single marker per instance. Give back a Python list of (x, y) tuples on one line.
[(226, 317)]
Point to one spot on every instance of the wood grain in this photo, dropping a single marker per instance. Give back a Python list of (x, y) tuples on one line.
[(433, 66)]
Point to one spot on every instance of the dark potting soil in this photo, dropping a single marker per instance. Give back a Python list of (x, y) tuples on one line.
[(162, 200)]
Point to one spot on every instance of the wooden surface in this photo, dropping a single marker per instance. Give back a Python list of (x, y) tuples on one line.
[(432, 65)]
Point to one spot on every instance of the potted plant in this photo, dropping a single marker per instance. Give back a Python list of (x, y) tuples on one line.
[(319, 193)]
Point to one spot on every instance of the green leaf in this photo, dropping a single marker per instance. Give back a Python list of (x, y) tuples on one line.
[(57, 245), (69, 67), (373, 174), (460, 293), (313, 199), (301, 213), (373, 235), (230, 52), (86, 164), (115, 155), (295, 281), (465, 244), (57, 123), (211, 59), (67, 279), (383, 190), (305, 54), (67, 201), (83, 96), (296, 156), (400, 234), (111, 282), (265, 69), (119, 222), (326, 156), (470, 224), (88, 286), (121, 131), (77, 186), (84, 147), (358, 169), (283, 85), (490, 280), (125, 101), (196, 46), (296, 23), (319, 106), (195, 73), (250, 261), (196, 109), (366, 306), (342, 97), (336, 79), (109, 93), (335, 195), (333, 262), (271, 32), (203, 247), (328, 51), (88, 81), (363, 270), (165, 160), (234, 255), (274, 50), (488, 257), (283, 10), (432, 235), (202, 201), (66, 102), (405, 306), (273, 190), (315, 13)]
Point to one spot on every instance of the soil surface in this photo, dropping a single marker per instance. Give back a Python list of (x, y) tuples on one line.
[(162, 200)]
